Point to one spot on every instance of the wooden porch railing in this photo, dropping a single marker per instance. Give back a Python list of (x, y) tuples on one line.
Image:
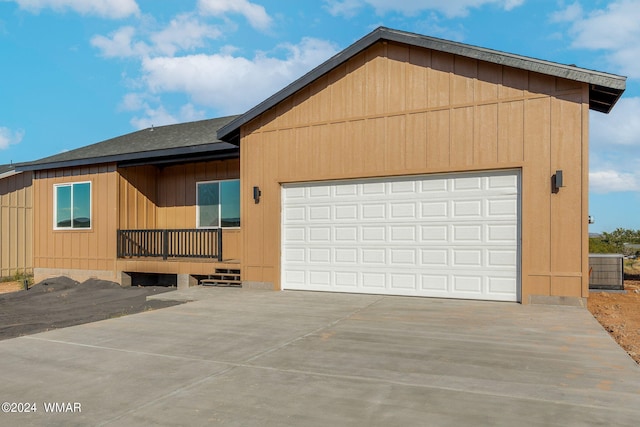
[(186, 243)]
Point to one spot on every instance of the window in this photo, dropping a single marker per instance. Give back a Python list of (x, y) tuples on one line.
[(218, 204), (72, 206)]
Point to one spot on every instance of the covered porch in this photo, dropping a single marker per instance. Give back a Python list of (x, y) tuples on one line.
[(185, 243), (187, 256)]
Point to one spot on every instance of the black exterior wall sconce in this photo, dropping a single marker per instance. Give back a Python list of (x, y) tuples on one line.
[(256, 194), (557, 181)]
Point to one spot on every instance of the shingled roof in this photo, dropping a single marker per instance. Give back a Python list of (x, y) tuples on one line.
[(155, 145), (8, 170), (604, 89)]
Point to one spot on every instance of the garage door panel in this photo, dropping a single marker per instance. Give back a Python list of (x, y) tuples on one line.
[(500, 285), (320, 213), (403, 211), (433, 186), (373, 211), (295, 234), (373, 188), (346, 234), (295, 213), (443, 235), (346, 213), (505, 233), (469, 183), (502, 208), (294, 255), (373, 234), (319, 234), (322, 255), (373, 282), (319, 191), (502, 258), (434, 233), (467, 284), (404, 282), (435, 257), (403, 234), (346, 255), (509, 182), (346, 190), (437, 283), (374, 256), (320, 278), (403, 187), (467, 209), (467, 233), (403, 257), (434, 211), (346, 279), (295, 278), (467, 258)]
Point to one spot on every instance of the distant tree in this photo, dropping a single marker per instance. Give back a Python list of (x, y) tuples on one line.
[(599, 246), (617, 239)]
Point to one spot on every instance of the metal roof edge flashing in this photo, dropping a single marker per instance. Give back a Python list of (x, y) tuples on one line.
[(222, 148)]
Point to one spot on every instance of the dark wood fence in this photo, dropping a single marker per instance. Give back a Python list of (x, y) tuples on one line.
[(187, 243)]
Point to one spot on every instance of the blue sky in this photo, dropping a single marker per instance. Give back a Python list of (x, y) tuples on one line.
[(75, 72)]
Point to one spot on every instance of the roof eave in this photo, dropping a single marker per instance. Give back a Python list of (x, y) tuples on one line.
[(145, 157), (9, 174)]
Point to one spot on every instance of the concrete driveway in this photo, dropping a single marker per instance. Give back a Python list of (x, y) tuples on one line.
[(245, 358)]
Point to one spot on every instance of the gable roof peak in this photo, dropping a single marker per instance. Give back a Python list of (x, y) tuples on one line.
[(604, 89)]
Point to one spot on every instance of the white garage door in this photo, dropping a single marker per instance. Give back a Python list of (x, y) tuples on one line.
[(448, 235)]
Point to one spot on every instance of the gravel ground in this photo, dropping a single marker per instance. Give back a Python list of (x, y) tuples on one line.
[(61, 302)]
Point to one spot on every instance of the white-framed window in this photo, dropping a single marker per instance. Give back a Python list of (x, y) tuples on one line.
[(218, 204), (72, 206)]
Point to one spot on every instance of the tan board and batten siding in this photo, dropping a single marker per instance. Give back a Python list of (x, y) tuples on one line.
[(16, 224), (143, 197), (395, 110), (78, 253)]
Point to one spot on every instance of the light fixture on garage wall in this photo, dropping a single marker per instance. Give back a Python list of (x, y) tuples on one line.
[(256, 194), (557, 181)]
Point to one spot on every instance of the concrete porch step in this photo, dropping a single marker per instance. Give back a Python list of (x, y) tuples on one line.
[(223, 277)]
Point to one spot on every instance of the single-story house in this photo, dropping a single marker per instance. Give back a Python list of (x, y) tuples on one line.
[(145, 202), (404, 165), (16, 218)]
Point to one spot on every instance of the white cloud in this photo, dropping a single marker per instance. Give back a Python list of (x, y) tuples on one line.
[(450, 8), (9, 137), (343, 7), (157, 115), (232, 84), (133, 102), (184, 33), (120, 44), (431, 25), (153, 117), (105, 8), (254, 13), (609, 181), (571, 13), (620, 129), (615, 144), (615, 29)]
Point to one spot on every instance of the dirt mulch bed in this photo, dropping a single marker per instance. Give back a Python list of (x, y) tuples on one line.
[(6, 287), (619, 314), (61, 302)]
